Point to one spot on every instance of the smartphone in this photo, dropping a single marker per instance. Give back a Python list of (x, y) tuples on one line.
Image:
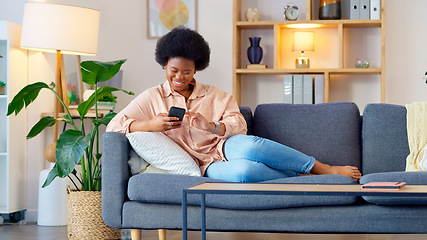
[(176, 112)]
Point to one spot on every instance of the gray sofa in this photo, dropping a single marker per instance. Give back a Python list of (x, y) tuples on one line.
[(334, 133)]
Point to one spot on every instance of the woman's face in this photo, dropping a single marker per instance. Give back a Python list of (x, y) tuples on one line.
[(180, 72)]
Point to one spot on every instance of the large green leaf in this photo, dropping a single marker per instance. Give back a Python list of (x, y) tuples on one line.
[(26, 96), (95, 71), (105, 120), (40, 126), (84, 107), (51, 176), (70, 148)]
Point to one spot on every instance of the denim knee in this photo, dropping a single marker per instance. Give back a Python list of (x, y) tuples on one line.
[(242, 146), (241, 170)]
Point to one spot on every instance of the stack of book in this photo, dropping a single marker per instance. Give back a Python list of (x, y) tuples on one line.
[(303, 89)]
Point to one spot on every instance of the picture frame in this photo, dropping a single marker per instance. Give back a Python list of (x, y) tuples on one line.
[(71, 78), (164, 15)]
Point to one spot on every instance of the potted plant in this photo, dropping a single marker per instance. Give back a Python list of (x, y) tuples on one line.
[(75, 148), (107, 102), (2, 86)]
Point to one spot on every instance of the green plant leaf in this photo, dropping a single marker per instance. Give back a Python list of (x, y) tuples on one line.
[(105, 120), (95, 71), (70, 148), (40, 126), (26, 96), (84, 107), (51, 176), (66, 119)]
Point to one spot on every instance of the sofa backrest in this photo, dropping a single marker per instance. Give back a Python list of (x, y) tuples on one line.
[(247, 113), (330, 132), (384, 138)]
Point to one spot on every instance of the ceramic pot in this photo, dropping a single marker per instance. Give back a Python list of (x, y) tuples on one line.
[(255, 51), (2, 91), (329, 9)]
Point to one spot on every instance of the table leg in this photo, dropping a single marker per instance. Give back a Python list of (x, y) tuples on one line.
[(184, 215), (203, 216)]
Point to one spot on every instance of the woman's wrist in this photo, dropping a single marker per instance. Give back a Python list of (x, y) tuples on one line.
[(216, 126)]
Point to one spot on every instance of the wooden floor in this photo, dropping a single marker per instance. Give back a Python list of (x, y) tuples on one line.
[(31, 231)]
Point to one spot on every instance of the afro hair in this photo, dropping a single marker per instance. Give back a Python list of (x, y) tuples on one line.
[(186, 43)]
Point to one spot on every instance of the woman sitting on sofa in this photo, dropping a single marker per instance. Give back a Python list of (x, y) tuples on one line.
[(213, 130)]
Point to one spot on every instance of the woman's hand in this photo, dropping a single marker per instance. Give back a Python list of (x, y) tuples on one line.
[(159, 123), (197, 120)]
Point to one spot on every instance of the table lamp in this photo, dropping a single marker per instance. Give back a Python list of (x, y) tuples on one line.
[(303, 41), (60, 29)]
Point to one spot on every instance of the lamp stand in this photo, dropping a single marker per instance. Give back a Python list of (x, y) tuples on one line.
[(59, 86), (302, 61), (52, 204)]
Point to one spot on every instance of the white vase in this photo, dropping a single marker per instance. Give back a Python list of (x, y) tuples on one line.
[(52, 205)]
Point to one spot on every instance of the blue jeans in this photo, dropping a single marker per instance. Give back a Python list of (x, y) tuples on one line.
[(255, 159)]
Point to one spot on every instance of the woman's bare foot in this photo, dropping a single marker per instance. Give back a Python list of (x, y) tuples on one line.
[(348, 171)]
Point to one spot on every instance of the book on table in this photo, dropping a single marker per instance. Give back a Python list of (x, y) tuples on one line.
[(384, 185)]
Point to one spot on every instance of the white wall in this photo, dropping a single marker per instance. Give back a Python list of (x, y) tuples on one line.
[(123, 35)]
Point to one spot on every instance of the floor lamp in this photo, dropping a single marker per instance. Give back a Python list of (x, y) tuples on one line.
[(60, 29)]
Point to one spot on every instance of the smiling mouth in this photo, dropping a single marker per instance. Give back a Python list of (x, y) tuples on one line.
[(178, 83)]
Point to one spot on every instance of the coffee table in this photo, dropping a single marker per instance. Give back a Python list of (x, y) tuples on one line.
[(285, 189)]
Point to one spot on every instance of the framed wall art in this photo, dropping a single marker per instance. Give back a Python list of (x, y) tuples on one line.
[(165, 15), (72, 85)]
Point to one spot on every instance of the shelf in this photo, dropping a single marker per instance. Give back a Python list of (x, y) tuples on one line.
[(338, 41), (13, 129), (310, 24), (310, 71), (75, 114)]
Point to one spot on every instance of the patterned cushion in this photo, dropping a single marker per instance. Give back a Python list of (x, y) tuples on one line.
[(163, 153)]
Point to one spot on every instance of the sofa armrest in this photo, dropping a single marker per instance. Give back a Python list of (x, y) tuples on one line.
[(115, 177)]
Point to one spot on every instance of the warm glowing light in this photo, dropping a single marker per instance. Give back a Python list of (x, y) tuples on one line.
[(303, 25)]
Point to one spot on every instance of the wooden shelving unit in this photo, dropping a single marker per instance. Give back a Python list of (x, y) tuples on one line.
[(276, 28)]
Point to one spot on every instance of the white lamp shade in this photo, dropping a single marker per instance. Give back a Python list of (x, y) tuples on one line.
[(303, 41), (50, 27)]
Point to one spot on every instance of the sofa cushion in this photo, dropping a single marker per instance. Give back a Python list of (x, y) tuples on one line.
[(330, 132), (167, 189), (163, 153), (384, 138), (411, 178)]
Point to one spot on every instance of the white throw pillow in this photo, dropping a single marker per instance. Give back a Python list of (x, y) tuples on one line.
[(163, 153)]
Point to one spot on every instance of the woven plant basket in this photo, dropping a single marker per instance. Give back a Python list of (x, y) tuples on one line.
[(84, 217)]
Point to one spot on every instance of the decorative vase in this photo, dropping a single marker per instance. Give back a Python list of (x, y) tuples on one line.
[(329, 9), (254, 51), (52, 205), (84, 217)]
